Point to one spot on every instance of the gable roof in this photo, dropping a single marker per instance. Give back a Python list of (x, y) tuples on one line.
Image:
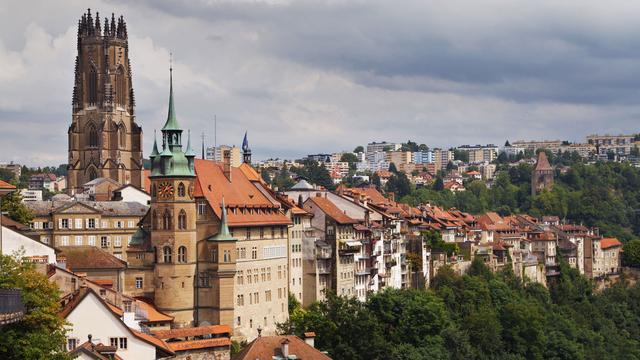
[(268, 347), (90, 257), (240, 192), (194, 331), (331, 210), (5, 185), (83, 292), (108, 208)]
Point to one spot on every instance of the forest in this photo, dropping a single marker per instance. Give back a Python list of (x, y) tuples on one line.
[(481, 315)]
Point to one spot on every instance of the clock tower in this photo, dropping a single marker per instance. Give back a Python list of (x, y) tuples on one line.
[(173, 221)]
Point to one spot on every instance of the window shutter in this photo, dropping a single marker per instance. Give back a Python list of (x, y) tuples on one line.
[(86, 223), (97, 222), (59, 223), (70, 221)]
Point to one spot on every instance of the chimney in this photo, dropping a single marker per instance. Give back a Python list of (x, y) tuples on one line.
[(226, 163), (309, 338), (285, 348)]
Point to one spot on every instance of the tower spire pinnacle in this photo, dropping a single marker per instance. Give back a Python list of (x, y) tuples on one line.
[(224, 234), (172, 122)]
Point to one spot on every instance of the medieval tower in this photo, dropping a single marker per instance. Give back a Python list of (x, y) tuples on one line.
[(104, 138), (173, 221), (542, 176)]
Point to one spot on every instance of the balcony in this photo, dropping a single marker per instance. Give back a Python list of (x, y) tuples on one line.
[(11, 306), (324, 269), (364, 271), (323, 253), (349, 247)]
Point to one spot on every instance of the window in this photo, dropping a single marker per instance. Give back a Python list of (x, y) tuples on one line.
[(122, 136), (182, 220), (240, 300), (227, 256), (78, 224), (204, 279), (166, 220), (117, 242), (267, 295), (127, 306), (105, 224), (181, 190), (104, 242), (93, 86), (239, 321), (64, 240), (71, 343), (45, 240), (254, 253), (64, 223), (93, 136), (123, 343), (182, 254), (248, 234), (138, 283), (166, 254), (201, 207), (131, 224), (91, 240), (46, 225), (240, 277), (121, 87), (91, 223), (119, 224), (113, 342)]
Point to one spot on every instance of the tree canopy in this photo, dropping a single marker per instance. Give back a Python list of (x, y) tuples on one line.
[(480, 315), (40, 334)]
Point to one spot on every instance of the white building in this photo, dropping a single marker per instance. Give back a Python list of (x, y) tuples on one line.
[(14, 242), (130, 193), (88, 314), (31, 195)]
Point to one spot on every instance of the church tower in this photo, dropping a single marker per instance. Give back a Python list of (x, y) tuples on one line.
[(542, 176), (173, 221), (104, 138), (246, 151)]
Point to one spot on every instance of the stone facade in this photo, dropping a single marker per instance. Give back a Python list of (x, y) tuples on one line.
[(104, 138)]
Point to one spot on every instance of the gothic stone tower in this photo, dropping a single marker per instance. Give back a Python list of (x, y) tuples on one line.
[(104, 139), (173, 222), (542, 176)]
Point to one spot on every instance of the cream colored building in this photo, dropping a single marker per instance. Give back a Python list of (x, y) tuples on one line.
[(105, 224), (301, 224)]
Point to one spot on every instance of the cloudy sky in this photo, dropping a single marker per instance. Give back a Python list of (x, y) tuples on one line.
[(320, 76)]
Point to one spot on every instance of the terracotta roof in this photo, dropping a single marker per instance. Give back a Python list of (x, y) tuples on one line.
[(96, 351), (199, 344), (153, 314), (240, 192), (250, 172), (267, 347), (90, 257), (194, 331), (115, 309), (384, 173), (6, 185), (331, 210), (10, 223), (543, 162), (606, 243), (153, 341)]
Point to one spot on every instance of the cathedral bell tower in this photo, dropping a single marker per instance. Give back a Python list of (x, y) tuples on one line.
[(104, 138), (173, 221)]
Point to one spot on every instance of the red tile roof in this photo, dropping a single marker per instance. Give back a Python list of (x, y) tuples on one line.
[(331, 210), (194, 331), (543, 162), (153, 314), (6, 185), (199, 344), (607, 243), (267, 347), (90, 257), (240, 193)]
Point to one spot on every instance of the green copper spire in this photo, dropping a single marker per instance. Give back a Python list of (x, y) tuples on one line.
[(172, 122), (189, 151), (154, 152), (224, 234)]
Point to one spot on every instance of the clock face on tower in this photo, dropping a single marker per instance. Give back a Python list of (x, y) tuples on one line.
[(165, 189)]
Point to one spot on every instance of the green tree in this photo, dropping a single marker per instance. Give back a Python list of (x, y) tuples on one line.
[(358, 149), (7, 175), (438, 185), (40, 334), (350, 158), (12, 204), (632, 253)]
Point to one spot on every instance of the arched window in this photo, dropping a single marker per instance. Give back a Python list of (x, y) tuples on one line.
[(154, 220), (122, 136), (92, 174), (182, 254), (182, 220), (166, 254), (93, 86), (181, 189), (166, 220), (120, 87), (93, 136)]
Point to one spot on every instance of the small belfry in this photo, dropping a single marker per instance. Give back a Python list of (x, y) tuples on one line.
[(104, 138), (173, 219), (246, 151)]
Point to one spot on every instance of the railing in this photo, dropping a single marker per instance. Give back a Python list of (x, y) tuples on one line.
[(11, 306), (324, 254)]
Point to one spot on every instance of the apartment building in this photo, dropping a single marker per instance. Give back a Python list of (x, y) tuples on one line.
[(480, 153), (301, 228), (441, 158), (618, 144), (105, 224), (215, 153)]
